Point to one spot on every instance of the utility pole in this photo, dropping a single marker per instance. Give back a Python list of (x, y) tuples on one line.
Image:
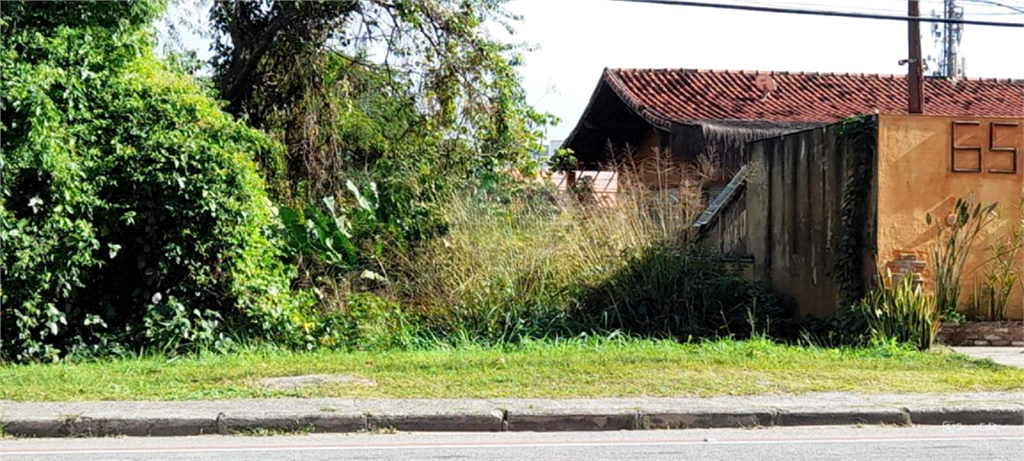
[(947, 38), (915, 78), (949, 55), (954, 63)]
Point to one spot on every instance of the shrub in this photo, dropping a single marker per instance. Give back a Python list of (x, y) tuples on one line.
[(899, 311), (376, 323), (132, 213), (681, 291), (893, 312), (331, 238)]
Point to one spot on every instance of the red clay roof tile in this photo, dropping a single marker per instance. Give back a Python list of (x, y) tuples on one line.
[(663, 96)]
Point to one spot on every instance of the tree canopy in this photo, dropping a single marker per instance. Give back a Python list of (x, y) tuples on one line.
[(336, 79)]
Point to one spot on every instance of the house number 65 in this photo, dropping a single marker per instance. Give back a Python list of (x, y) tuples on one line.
[(995, 130)]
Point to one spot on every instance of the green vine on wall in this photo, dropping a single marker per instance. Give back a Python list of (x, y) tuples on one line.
[(859, 134)]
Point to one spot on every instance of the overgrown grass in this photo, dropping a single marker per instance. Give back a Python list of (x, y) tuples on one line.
[(547, 369), (546, 265)]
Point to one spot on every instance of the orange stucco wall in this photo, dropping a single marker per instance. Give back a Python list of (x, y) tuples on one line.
[(915, 177)]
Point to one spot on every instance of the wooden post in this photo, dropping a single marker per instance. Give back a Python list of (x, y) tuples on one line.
[(915, 90)]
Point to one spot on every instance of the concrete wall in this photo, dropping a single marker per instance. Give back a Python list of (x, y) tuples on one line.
[(727, 234), (793, 203), (916, 177)]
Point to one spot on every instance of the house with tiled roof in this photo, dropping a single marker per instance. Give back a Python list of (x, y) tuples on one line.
[(819, 204), (693, 112)]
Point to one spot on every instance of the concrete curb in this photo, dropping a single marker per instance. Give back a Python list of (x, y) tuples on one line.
[(500, 420), (968, 416)]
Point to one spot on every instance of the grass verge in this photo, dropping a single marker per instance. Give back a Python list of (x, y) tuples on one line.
[(577, 368)]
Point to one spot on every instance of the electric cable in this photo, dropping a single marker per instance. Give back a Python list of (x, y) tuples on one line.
[(768, 9)]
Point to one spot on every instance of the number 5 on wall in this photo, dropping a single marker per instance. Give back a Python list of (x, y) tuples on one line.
[(993, 132)]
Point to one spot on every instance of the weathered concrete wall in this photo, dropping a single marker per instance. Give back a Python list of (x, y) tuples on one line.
[(727, 235), (793, 203), (916, 177)]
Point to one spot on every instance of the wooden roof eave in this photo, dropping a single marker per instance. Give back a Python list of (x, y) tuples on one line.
[(650, 114), (655, 118)]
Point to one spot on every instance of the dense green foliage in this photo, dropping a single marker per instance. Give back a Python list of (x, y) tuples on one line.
[(892, 312), (402, 103), (133, 215), (682, 291)]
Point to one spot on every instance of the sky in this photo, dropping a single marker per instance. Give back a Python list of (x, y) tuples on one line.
[(575, 40)]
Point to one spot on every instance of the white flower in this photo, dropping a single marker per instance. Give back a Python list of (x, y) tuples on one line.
[(34, 202)]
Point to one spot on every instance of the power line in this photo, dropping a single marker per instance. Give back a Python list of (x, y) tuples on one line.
[(978, 7), (987, 5), (801, 5), (768, 9), (992, 3)]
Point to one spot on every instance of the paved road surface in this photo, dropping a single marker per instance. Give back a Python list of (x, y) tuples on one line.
[(923, 443)]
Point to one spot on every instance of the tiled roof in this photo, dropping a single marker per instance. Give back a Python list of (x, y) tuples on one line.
[(663, 96)]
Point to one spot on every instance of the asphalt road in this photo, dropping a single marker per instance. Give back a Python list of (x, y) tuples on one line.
[(931, 443)]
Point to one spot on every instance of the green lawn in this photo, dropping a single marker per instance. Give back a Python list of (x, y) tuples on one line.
[(596, 368)]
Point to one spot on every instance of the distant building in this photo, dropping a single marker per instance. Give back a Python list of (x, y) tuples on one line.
[(553, 146)]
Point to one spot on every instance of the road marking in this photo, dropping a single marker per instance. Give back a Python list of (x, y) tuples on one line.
[(472, 445)]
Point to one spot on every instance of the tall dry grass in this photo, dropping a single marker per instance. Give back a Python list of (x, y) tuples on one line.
[(542, 263)]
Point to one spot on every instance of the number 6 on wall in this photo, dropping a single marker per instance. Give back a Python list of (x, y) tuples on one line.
[(957, 148)]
